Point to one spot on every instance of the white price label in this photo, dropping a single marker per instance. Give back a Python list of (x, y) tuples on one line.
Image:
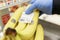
[(26, 18)]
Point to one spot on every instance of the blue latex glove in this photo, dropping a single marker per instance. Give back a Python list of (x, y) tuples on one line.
[(43, 5)]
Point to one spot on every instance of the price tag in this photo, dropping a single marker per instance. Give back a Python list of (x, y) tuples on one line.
[(26, 18)]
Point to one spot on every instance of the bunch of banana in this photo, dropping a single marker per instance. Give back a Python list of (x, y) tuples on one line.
[(39, 33), (26, 31), (14, 19)]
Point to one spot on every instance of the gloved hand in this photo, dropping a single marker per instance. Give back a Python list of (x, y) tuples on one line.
[(43, 5)]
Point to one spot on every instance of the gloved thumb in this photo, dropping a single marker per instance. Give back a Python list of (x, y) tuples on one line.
[(31, 8)]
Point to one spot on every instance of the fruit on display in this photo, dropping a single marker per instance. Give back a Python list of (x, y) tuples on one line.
[(26, 31), (10, 37), (17, 37), (14, 8), (4, 16), (39, 33), (30, 29), (14, 19)]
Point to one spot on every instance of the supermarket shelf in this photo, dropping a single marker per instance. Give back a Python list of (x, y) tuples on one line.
[(1, 8), (12, 4)]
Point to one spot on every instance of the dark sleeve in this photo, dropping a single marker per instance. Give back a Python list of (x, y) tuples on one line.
[(56, 7)]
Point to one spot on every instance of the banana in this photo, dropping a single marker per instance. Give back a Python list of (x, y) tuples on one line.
[(13, 20), (39, 33), (6, 38), (32, 38), (20, 26), (9, 37), (26, 31), (30, 29), (17, 37)]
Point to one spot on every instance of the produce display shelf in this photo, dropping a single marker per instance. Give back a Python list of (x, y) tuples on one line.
[(9, 3)]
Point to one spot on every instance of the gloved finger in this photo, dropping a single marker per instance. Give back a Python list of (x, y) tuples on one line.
[(31, 8), (32, 1)]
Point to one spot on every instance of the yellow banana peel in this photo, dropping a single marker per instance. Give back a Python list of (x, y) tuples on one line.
[(39, 33)]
